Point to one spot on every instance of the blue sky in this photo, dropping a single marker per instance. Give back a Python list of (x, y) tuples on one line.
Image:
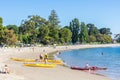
[(102, 13)]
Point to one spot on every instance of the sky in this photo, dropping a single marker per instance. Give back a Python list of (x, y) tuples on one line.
[(101, 13)]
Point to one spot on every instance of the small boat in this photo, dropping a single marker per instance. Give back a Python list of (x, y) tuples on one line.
[(40, 65), (23, 60), (59, 62), (91, 68)]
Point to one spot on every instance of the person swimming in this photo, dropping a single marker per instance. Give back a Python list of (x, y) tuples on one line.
[(102, 53)]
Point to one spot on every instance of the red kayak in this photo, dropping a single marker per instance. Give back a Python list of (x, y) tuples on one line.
[(91, 68)]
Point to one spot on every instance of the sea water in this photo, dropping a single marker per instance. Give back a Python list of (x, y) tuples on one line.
[(101, 57)]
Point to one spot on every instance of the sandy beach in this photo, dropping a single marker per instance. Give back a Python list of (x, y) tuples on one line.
[(21, 72)]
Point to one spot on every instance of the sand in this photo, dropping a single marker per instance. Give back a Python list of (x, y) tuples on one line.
[(21, 72)]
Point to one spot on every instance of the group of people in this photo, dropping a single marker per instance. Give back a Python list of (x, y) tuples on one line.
[(43, 57), (5, 70)]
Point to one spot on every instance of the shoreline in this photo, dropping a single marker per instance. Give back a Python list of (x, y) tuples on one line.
[(54, 54), (24, 73)]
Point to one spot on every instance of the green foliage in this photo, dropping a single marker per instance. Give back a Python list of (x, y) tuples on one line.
[(92, 30), (103, 38), (105, 31), (24, 38), (65, 35), (1, 21), (13, 27), (43, 33), (36, 29), (54, 27), (75, 29), (48, 40), (117, 37), (54, 33), (53, 18), (92, 38), (107, 39), (8, 37), (38, 21), (84, 33), (27, 27), (1, 31), (100, 38), (31, 27)]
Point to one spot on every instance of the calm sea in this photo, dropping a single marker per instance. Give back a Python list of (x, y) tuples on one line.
[(101, 57)]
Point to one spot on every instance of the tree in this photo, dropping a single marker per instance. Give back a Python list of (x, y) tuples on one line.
[(1, 21), (53, 18), (83, 33), (9, 38), (75, 29), (43, 33), (27, 27), (54, 26), (92, 30), (65, 35), (117, 37), (1, 31), (105, 31), (100, 38), (54, 34), (25, 38), (13, 27), (38, 21), (92, 38), (33, 37), (31, 27), (107, 39)]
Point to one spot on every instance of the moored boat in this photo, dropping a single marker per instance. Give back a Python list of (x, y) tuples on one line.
[(60, 62), (23, 60), (91, 68), (40, 65)]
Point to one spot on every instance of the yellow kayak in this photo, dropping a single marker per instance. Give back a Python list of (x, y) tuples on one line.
[(40, 65), (23, 60), (60, 62), (34, 60)]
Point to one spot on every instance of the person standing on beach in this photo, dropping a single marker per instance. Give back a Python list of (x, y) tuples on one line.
[(88, 67), (43, 50), (58, 53), (33, 49), (41, 57), (45, 57)]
